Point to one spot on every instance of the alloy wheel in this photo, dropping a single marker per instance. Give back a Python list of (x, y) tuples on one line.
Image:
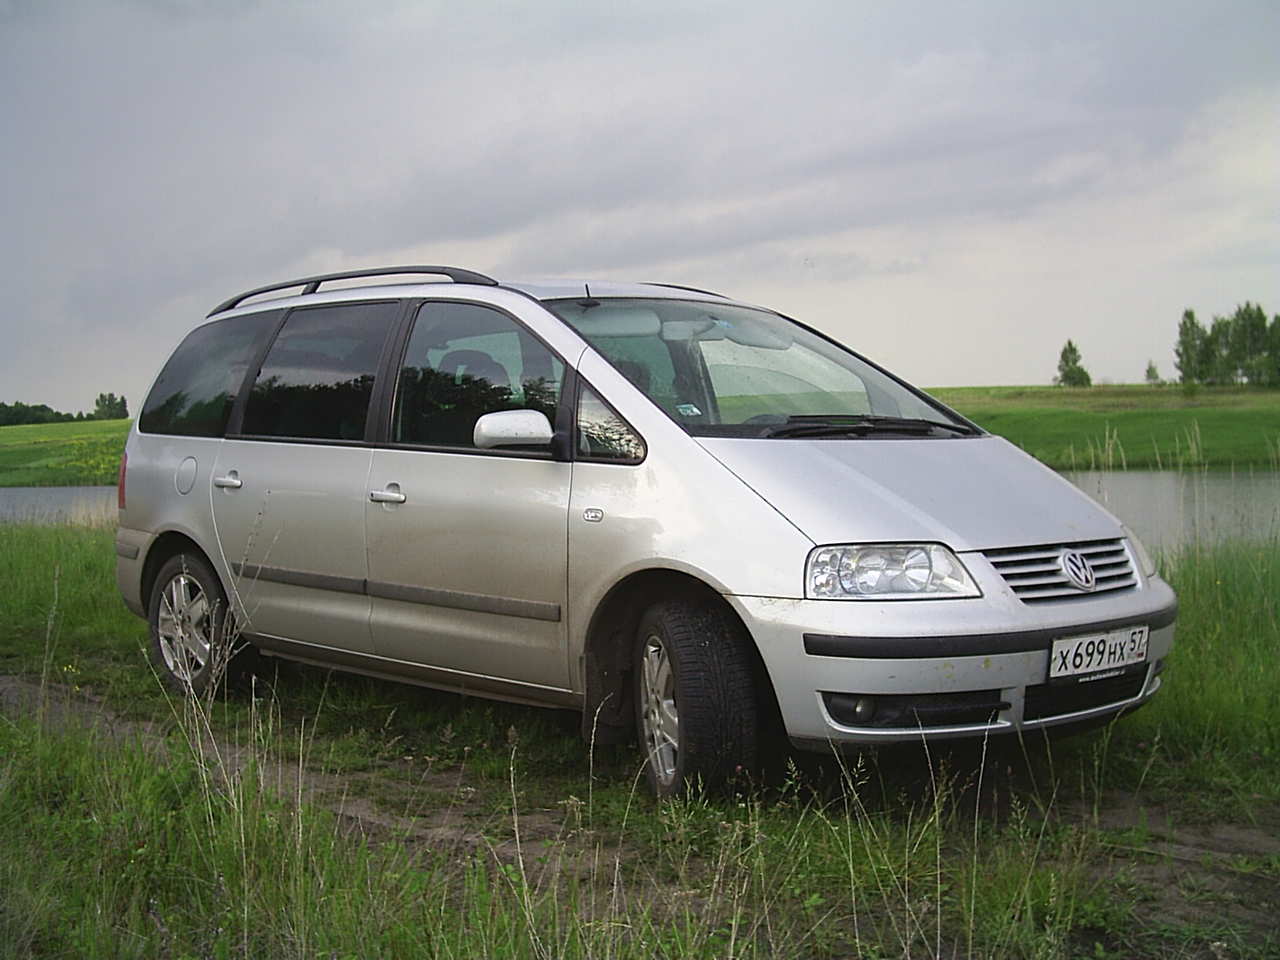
[(659, 718), (185, 627)]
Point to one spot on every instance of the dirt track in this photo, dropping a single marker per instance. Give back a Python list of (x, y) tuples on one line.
[(414, 806)]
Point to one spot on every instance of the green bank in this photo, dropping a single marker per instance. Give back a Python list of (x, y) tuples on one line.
[(1130, 426), (79, 453), (491, 830)]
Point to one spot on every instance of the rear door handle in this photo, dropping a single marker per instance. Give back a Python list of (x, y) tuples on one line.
[(391, 494), (231, 481)]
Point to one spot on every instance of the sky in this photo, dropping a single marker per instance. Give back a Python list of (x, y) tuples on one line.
[(953, 189)]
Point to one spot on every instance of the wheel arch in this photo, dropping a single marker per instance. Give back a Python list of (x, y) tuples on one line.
[(607, 712), (169, 544)]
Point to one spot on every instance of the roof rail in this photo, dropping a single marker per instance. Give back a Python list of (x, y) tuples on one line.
[(312, 284), (681, 286)]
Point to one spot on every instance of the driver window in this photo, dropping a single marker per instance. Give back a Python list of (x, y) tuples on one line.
[(463, 361)]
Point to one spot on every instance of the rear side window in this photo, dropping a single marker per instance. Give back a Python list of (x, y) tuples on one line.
[(195, 391), (317, 378)]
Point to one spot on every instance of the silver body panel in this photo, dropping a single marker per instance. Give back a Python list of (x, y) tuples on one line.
[(482, 571), (971, 493), (468, 573), (298, 515)]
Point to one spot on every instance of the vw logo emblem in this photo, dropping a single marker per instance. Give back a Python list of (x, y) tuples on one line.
[(1076, 567)]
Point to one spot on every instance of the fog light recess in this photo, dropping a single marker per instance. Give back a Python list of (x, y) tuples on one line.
[(851, 709)]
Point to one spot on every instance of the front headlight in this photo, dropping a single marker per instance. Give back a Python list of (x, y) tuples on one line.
[(897, 571), (1144, 559)]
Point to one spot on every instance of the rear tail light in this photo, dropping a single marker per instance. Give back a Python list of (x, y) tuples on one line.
[(124, 463)]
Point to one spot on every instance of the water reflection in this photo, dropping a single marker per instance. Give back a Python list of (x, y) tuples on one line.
[(1169, 508), (90, 505)]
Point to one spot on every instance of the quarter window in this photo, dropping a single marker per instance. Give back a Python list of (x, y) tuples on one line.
[(602, 434), (318, 376), (194, 393), (463, 361)]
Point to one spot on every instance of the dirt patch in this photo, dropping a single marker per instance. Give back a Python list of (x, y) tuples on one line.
[(421, 808)]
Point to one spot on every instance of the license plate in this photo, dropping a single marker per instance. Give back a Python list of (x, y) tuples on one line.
[(1098, 655)]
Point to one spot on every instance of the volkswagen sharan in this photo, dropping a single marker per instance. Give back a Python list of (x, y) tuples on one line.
[(695, 520)]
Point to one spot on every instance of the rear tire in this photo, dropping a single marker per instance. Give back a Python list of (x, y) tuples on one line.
[(190, 645), (697, 714)]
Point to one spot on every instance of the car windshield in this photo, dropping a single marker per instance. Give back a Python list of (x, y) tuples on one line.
[(724, 370)]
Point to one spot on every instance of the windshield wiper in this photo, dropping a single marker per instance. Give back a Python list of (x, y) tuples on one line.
[(858, 426)]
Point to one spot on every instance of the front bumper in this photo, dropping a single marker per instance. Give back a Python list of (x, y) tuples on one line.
[(945, 668)]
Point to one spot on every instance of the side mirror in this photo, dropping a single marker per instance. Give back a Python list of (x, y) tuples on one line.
[(512, 428)]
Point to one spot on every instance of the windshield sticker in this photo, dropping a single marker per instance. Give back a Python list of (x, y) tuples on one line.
[(688, 410)]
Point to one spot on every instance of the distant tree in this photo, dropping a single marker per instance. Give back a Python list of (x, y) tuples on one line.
[(1217, 365), (1152, 376), (1249, 343), (1189, 350), (1070, 371), (110, 407), (1271, 371)]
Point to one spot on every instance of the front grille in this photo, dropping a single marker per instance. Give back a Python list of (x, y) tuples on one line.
[(1035, 574), (1053, 700)]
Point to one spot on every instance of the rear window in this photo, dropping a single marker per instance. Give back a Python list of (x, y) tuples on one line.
[(195, 391)]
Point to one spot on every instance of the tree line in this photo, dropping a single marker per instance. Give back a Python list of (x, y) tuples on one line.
[(107, 407), (1240, 349)]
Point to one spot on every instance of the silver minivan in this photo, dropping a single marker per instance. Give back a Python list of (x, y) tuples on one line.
[(695, 520)]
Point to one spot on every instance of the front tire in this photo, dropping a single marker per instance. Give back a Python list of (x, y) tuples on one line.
[(697, 706), (190, 646)]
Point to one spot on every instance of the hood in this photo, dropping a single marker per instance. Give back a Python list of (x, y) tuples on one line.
[(970, 493)]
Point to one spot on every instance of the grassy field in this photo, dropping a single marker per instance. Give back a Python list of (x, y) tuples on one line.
[(325, 815), (1117, 427), (62, 454)]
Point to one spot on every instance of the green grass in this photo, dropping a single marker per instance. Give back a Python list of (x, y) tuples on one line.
[(120, 844), (84, 453), (1110, 427)]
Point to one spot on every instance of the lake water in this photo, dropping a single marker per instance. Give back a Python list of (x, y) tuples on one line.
[(58, 504), (1164, 508), (1168, 508)]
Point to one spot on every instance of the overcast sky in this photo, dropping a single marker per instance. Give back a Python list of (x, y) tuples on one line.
[(954, 189)]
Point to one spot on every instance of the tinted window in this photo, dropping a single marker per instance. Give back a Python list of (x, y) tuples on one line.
[(602, 434), (466, 360), (197, 387), (318, 375)]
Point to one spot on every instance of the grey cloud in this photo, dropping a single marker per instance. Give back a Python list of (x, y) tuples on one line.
[(167, 152)]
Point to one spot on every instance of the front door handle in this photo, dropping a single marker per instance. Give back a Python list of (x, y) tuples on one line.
[(391, 494), (230, 482)]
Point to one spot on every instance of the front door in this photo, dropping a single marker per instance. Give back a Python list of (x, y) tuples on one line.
[(467, 547)]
